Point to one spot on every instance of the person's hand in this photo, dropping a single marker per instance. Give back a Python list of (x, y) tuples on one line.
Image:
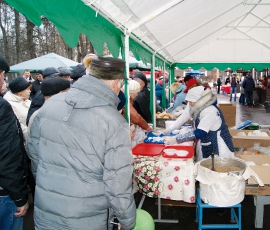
[(170, 140), (167, 131), (149, 129), (21, 210)]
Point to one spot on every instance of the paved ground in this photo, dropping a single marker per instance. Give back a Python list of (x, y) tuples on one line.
[(186, 215)]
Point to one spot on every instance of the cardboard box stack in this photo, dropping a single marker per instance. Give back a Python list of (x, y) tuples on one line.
[(229, 113), (248, 141)]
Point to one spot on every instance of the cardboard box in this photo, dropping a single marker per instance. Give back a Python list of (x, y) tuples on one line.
[(252, 188), (247, 141), (229, 113)]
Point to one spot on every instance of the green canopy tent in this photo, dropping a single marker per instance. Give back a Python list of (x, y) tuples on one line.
[(225, 34)]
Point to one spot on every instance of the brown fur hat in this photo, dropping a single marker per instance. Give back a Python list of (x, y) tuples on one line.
[(174, 86), (105, 68)]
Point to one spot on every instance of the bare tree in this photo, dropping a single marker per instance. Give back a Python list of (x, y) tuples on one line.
[(17, 34), (3, 29)]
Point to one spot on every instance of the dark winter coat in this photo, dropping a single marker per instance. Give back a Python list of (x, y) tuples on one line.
[(219, 82), (36, 103), (142, 104), (248, 84), (35, 88), (233, 82), (13, 158)]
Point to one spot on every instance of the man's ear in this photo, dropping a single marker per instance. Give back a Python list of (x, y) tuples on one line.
[(114, 85)]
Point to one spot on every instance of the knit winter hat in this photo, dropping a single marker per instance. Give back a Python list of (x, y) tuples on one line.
[(134, 86), (78, 71), (141, 76), (51, 86), (64, 71), (3, 64), (18, 84), (39, 72), (50, 72), (195, 94), (189, 83)]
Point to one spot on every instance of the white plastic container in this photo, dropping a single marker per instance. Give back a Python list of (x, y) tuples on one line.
[(222, 189)]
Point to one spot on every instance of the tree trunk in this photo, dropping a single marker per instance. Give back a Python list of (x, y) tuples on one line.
[(30, 39), (18, 37), (4, 33), (79, 55)]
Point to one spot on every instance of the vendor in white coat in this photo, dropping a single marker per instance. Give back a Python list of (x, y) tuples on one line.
[(210, 127)]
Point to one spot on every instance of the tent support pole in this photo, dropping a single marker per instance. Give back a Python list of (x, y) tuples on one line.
[(153, 92), (126, 57)]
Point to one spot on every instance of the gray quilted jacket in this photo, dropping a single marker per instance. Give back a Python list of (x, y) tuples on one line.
[(84, 172)]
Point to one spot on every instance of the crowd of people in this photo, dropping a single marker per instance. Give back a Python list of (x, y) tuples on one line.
[(65, 137), (245, 86)]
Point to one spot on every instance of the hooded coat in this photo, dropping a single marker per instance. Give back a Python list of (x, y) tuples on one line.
[(84, 172), (180, 98), (159, 93)]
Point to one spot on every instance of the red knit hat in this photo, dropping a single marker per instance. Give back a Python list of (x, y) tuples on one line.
[(189, 83)]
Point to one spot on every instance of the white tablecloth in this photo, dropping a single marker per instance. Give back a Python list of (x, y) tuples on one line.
[(165, 178)]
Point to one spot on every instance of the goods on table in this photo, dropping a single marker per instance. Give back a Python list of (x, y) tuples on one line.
[(224, 168), (163, 115)]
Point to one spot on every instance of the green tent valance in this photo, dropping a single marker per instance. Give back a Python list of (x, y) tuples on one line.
[(223, 66)]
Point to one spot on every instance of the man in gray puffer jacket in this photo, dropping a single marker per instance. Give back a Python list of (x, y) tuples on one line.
[(84, 173)]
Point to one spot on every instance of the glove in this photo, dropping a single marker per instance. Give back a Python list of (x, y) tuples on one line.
[(185, 137), (169, 140)]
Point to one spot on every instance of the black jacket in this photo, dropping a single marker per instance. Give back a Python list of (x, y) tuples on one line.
[(35, 88), (142, 104), (13, 158), (248, 84), (36, 103)]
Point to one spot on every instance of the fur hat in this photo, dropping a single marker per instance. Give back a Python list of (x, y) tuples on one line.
[(87, 61), (190, 83), (134, 86), (3, 64), (51, 86), (106, 68), (141, 76), (19, 84), (195, 94), (174, 86)]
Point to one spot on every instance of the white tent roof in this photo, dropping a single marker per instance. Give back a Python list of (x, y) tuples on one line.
[(42, 62), (195, 30)]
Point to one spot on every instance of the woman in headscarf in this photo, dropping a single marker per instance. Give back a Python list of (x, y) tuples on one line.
[(210, 127)]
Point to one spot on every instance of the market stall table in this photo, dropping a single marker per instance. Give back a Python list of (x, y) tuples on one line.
[(164, 178)]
